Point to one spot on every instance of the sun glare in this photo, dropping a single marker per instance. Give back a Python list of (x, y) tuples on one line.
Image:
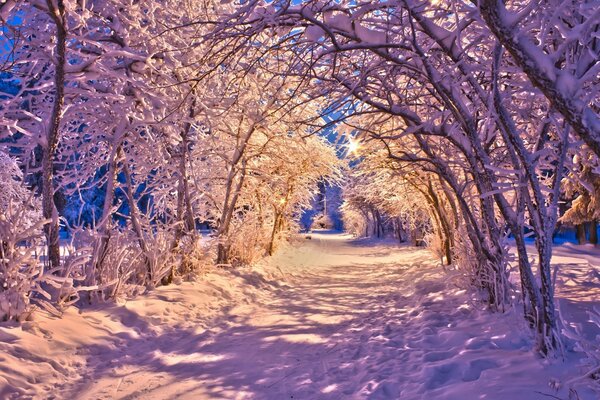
[(353, 146)]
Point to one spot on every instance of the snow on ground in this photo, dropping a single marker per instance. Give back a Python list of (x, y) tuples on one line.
[(329, 318)]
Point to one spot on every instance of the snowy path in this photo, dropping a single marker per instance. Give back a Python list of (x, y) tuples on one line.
[(312, 338), (339, 319)]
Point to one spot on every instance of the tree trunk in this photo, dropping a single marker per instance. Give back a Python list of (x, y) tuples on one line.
[(261, 218), (223, 251), (276, 225), (379, 224), (399, 229), (366, 216), (593, 232), (49, 149), (135, 222), (580, 234), (103, 229), (446, 237), (530, 291), (190, 222), (231, 196), (548, 327)]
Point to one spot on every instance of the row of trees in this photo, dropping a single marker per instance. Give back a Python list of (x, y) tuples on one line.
[(470, 115), (474, 119), (123, 138)]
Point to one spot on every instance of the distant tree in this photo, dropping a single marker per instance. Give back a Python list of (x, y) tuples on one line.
[(582, 185)]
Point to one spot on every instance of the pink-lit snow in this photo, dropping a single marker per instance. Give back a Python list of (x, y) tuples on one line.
[(327, 318)]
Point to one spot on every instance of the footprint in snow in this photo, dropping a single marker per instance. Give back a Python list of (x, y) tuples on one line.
[(476, 367), (438, 356)]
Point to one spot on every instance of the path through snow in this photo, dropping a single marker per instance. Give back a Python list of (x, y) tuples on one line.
[(332, 318)]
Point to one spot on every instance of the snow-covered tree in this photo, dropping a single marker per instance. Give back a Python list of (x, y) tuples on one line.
[(582, 186), (555, 43), (20, 231), (434, 75)]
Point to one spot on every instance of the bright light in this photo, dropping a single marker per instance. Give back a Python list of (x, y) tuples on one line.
[(282, 200), (353, 146)]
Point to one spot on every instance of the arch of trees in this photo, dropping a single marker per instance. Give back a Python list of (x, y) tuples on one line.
[(472, 118), (475, 120)]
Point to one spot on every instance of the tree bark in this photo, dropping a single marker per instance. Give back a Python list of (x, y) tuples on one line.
[(49, 149), (594, 232), (184, 215), (232, 194), (231, 197), (580, 234), (447, 239), (103, 229), (135, 222), (276, 225)]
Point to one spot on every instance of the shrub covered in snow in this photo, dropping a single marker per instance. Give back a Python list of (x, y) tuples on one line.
[(322, 221), (20, 236)]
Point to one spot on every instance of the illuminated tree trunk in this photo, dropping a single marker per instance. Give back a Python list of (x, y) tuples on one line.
[(446, 234), (274, 231), (229, 204)]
